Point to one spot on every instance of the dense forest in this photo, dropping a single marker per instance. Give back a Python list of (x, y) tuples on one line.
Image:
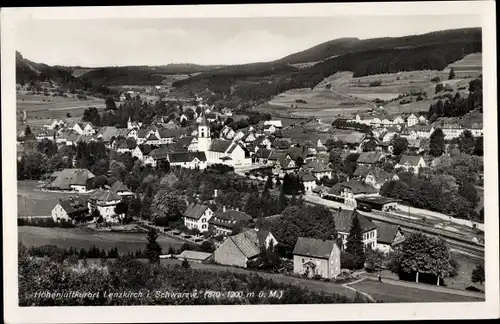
[(433, 52)]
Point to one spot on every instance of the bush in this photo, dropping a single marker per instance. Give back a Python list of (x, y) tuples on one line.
[(347, 261), (472, 288), (44, 222), (436, 79), (376, 83), (302, 101)]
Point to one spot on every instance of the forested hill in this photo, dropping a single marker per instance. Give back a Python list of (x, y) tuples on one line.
[(433, 51), (28, 71), (348, 45)]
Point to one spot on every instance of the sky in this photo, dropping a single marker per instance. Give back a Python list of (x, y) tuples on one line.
[(160, 41)]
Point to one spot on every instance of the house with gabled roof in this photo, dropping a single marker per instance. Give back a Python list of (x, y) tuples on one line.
[(188, 160), (282, 163), (227, 133), (314, 257), (318, 169), (105, 201), (238, 250), (349, 190), (121, 189), (370, 158), (84, 128), (309, 181), (197, 216), (411, 163), (388, 236), (372, 175), (69, 208), (343, 223), (262, 156), (225, 221), (78, 180)]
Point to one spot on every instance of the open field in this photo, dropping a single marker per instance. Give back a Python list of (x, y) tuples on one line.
[(349, 95), (85, 238), (31, 202), (388, 293), (42, 109)]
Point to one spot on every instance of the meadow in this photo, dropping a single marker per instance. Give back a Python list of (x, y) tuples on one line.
[(85, 238), (41, 110), (341, 93), (32, 202)]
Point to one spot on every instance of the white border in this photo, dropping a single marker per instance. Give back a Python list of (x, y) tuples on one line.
[(488, 309)]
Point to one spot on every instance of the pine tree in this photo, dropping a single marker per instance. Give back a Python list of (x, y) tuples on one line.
[(153, 249), (436, 143), (354, 244), (269, 183), (451, 76), (283, 200)]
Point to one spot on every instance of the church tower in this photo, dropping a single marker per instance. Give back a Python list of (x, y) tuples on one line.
[(204, 139), (129, 123)]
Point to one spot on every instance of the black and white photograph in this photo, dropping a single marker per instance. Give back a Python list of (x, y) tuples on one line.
[(266, 162)]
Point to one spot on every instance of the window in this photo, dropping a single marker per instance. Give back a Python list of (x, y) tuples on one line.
[(303, 260), (204, 226)]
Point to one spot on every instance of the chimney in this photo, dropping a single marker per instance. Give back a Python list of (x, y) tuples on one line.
[(223, 209)]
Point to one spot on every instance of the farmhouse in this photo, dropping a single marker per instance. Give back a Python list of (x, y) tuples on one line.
[(313, 257), (79, 180), (84, 128), (318, 169), (411, 120), (411, 163), (309, 182), (188, 160), (246, 246), (69, 209), (105, 202), (226, 221), (370, 158), (343, 223), (197, 216)]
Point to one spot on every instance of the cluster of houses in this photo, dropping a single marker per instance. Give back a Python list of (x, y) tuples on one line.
[(412, 127), (81, 206), (311, 257)]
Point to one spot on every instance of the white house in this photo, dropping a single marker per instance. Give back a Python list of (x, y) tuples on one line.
[(84, 128), (398, 120), (411, 120), (105, 201), (309, 182), (422, 119), (276, 123), (409, 162), (197, 216), (343, 223), (188, 160), (388, 136), (451, 131), (69, 208), (269, 129)]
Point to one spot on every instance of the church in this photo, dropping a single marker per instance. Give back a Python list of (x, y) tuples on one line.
[(219, 151)]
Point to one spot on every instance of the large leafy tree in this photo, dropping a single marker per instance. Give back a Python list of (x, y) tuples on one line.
[(166, 207), (335, 160), (469, 192), (424, 254), (436, 143), (354, 245), (370, 145), (400, 145), (305, 221)]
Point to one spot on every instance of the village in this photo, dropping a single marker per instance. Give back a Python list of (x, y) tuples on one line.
[(343, 167)]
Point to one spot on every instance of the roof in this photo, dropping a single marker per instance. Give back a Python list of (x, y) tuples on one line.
[(250, 241), (356, 186), (194, 255), (172, 133), (370, 157), (386, 233), (152, 137), (104, 195), (67, 177), (354, 138), (410, 159), (73, 205), (107, 132), (263, 153), (318, 166), (364, 170), (307, 177), (195, 211), (159, 153), (377, 200), (276, 123), (119, 186), (343, 221), (321, 189), (220, 146), (180, 157), (307, 246), (126, 143), (232, 216)]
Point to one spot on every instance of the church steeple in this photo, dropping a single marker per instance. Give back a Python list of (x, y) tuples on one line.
[(204, 139)]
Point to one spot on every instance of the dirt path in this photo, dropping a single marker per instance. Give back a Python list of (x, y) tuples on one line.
[(426, 287)]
